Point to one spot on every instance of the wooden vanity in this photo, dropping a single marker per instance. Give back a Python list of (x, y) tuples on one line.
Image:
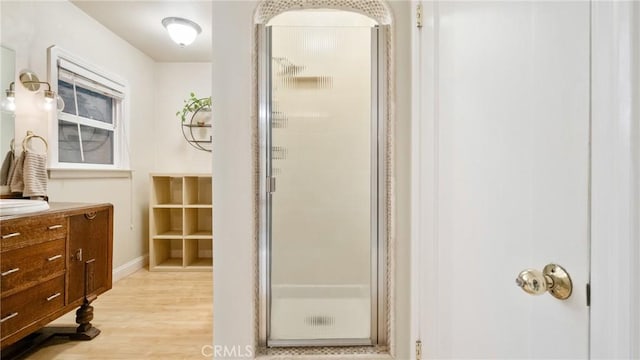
[(53, 262)]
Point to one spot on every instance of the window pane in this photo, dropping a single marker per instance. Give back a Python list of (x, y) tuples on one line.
[(93, 105), (65, 90), (68, 142), (97, 145)]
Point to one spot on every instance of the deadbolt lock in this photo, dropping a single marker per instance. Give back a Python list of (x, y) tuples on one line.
[(553, 278)]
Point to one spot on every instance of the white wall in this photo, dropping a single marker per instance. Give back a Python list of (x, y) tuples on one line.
[(234, 283), (173, 83), (233, 223)]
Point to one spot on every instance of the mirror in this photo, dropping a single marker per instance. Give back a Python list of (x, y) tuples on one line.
[(8, 61)]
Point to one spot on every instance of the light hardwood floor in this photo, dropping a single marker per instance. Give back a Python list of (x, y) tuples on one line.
[(148, 315)]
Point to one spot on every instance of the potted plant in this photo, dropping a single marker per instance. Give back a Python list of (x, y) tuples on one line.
[(192, 105)]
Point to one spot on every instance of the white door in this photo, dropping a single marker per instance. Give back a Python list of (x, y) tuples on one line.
[(501, 177)]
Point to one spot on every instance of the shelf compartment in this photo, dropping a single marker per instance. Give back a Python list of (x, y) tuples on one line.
[(197, 190), (167, 190), (166, 222), (168, 206), (174, 234), (198, 222), (198, 253), (167, 254)]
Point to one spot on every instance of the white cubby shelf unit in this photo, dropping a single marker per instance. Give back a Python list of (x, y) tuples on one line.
[(180, 222)]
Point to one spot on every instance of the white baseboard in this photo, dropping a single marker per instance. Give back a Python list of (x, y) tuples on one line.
[(130, 267)]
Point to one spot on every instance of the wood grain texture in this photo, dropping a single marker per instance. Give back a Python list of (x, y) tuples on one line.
[(27, 266), (31, 305), (30, 244), (84, 230), (148, 315), (21, 232)]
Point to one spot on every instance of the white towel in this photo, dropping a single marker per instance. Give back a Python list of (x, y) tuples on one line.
[(7, 166), (34, 174)]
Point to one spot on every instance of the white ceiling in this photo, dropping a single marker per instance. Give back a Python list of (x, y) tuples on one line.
[(139, 23)]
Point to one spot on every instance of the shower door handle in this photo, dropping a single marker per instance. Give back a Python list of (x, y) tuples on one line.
[(271, 184)]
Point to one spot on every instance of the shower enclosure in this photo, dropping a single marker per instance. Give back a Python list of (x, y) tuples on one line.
[(322, 174)]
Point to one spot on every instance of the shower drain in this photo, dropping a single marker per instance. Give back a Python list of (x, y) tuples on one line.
[(320, 320)]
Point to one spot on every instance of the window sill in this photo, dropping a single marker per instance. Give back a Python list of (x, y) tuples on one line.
[(88, 174)]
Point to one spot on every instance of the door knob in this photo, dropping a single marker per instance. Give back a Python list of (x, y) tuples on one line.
[(553, 278)]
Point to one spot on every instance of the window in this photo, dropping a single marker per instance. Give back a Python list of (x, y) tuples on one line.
[(90, 130)]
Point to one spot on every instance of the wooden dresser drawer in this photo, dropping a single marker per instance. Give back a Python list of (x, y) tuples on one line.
[(30, 305), (25, 267), (24, 232)]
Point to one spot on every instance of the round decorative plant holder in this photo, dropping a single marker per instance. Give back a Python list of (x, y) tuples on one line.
[(197, 130)]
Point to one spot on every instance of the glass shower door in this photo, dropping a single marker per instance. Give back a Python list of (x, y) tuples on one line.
[(323, 210)]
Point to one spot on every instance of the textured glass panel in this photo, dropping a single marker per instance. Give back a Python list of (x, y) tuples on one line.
[(321, 157)]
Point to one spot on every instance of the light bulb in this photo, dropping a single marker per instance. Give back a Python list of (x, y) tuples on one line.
[(49, 97), (9, 104), (183, 35)]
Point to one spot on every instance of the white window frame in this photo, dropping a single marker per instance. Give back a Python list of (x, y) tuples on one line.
[(57, 57)]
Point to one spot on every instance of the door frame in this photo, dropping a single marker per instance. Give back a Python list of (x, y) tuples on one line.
[(614, 179)]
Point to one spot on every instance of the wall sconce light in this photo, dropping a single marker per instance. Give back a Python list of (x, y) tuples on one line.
[(182, 31), (32, 83), (9, 104)]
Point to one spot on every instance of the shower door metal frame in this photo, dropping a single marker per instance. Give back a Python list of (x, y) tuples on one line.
[(378, 204)]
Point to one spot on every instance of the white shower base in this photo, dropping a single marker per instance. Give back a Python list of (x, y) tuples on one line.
[(320, 312)]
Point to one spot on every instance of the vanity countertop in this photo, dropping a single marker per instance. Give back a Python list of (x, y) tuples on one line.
[(68, 208)]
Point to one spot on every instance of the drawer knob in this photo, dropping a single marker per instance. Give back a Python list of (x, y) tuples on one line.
[(11, 235), (10, 271), (10, 316), (54, 257), (53, 296), (53, 227)]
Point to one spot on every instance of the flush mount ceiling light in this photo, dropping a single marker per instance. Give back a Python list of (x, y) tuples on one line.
[(182, 31)]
